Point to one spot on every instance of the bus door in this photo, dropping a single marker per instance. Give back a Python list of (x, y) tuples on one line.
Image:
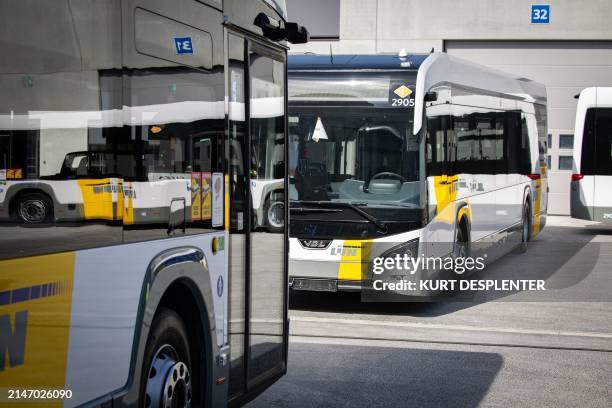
[(441, 144), (258, 262)]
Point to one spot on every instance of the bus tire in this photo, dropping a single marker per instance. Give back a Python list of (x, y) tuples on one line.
[(33, 208), (461, 246), (167, 370), (462, 241), (525, 228), (274, 222)]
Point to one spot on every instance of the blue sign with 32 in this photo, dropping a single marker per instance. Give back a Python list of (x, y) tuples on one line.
[(183, 45), (540, 13)]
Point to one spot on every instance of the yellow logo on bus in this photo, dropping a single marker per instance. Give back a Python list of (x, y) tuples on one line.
[(403, 91), (35, 302)]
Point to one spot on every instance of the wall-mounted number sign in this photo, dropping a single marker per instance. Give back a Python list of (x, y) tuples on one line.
[(540, 14), (184, 45)]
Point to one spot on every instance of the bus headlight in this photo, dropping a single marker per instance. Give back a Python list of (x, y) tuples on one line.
[(410, 248), (396, 262)]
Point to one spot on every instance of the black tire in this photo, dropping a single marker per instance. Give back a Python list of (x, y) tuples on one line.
[(525, 228), (272, 222), (461, 247), (33, 208), (167, 365)]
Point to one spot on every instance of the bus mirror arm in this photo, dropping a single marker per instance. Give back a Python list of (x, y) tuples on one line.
[(292, 32)]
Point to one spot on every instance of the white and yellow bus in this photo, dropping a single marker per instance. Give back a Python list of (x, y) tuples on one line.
[(128, 247), (591, 184), (421, 154)]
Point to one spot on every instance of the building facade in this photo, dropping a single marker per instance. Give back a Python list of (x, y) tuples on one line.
[(565, 44)]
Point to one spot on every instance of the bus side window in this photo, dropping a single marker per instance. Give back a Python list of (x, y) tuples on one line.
[(513, 142), (525, 165), (587, 162), (436, 145), (603, 141)]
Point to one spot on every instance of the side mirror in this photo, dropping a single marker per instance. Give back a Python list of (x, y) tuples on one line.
[(278, 171), (431, 96), (297, 34), (271, 28)]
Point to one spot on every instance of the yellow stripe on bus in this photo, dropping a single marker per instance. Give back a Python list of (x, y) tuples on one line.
[(227, 203), (36, 317), (445, 188), (128, 214), (354, 259), (98, 198), (537, 209)]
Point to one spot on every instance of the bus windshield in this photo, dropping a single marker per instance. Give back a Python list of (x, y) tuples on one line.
[(351, 140)]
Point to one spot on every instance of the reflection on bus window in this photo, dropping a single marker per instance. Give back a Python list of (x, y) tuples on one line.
[(145, 164)]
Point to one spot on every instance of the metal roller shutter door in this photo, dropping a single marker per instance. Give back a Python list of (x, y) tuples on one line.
[(565, 67)]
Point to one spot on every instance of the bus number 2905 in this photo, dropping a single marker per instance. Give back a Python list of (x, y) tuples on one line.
[(405, 102)]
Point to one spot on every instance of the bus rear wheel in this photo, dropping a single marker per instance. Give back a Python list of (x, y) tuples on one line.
[(275, 215), (167, 371), (33, 208), (525, 227), (461, 247)]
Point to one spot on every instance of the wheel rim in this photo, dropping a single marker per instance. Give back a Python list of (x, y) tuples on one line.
[(33, 210), (168, 381), (276, 214)]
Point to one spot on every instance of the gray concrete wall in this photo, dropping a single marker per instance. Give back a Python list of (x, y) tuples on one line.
[(369, 26), (570, 53)]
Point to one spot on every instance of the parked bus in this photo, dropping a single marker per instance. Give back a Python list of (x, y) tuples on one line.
[(591, 184), (400, 152), (128, 249)]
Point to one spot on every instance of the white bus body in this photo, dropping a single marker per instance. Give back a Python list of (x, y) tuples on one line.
[(459, 150), (127, 250), (591, 183)]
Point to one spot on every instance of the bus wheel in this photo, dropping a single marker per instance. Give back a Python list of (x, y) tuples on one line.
[(167, 363), (461, 242), (33, 208), (461, 248), (275, 215), (525, 228)]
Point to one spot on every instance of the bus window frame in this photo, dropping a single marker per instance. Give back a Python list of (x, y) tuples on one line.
[(253, 386)]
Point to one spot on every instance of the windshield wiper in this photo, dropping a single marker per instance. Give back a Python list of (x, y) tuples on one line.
[(353, 206), (301, 210)]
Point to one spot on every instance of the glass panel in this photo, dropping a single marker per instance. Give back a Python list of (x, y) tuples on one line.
[(566, 141), (550, 141), (549, 162), (352, 142), (238, 212), (565, 162), (365, 89), (587, 160), (603, 146), (50, 121), (267, 169), (175, 129)]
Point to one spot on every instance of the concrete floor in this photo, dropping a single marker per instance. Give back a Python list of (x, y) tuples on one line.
[(550, 348)]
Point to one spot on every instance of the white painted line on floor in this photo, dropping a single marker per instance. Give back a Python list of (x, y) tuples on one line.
[(437, 326)]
